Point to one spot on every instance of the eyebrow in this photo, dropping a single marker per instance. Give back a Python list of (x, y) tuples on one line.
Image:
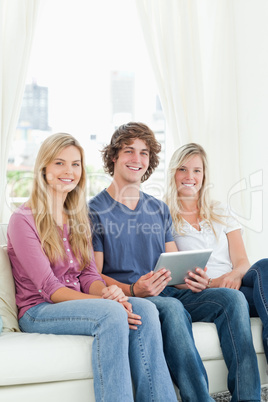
[(129, 147), (63, 160), (196, 167)]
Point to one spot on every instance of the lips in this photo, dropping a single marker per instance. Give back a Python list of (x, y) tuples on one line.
[(188, 184), (136, 169), (66, 180)]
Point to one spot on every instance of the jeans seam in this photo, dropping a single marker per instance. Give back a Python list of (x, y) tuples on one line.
[(145, 364), (260, 287), (96, 339), (34, 319)]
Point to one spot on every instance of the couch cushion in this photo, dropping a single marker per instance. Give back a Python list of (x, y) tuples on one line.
[(39, 358), (8, 308)]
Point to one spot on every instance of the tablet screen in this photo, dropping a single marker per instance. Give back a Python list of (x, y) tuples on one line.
[(179, 263)]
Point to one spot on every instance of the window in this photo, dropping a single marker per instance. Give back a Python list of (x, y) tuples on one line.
[(89, 72)]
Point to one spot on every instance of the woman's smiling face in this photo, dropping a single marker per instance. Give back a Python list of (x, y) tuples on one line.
[(189, 177), (64, 172)]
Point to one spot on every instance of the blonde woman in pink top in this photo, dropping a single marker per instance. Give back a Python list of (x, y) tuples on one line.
[(59, 291)]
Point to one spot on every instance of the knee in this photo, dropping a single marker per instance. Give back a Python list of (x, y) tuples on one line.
[(234, 299), (144, 308), (115, 313), (148, 312), (261, 264), (172, 310)]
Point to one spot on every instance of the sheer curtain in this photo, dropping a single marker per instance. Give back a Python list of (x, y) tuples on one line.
[(210, 60), (171, 33), (18, 19)]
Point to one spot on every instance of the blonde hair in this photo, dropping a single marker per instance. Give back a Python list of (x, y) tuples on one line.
[(205, 205), (74, 206)]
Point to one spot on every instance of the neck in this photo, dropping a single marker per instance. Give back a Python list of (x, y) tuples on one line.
[(128, 195), (189, 206)]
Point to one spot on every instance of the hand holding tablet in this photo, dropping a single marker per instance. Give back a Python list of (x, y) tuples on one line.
[(179, 263)]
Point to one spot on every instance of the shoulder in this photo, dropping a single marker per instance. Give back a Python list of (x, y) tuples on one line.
[(97, 199), (99, 202), (154, 203), (21, 223), (227, 216), (22, 215)]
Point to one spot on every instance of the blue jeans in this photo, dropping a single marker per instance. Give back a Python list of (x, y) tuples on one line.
[(255, 288), (117, 352), (184, 362), (228, 309)]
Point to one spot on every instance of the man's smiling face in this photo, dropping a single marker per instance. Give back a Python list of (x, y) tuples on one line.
[(132, 162)]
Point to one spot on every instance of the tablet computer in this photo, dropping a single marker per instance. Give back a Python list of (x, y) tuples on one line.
[(179, 263)]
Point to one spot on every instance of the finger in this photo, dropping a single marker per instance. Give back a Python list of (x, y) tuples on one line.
[(163, 272), (146, 276), (133, 327), (123, 299), (196, 285), (198, 278), (133, 322), (201, 272), (127, 306), (193, 288)]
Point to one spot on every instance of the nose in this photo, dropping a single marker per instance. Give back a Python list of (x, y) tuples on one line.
[(189, 175), (136, 157), (69, 169)]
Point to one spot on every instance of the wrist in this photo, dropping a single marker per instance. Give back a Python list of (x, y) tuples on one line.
[(132, 289)]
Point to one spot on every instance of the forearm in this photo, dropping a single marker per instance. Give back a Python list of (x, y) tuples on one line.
[(66, 294), (96, 288), (124, 286), (241, 266)]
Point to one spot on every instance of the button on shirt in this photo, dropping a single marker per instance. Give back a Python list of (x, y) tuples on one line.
[(36, 279)]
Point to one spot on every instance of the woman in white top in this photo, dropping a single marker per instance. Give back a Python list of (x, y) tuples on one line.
[(200, 223)]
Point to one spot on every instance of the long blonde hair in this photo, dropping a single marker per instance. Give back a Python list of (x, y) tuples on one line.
[(205, 205), (74, 206)]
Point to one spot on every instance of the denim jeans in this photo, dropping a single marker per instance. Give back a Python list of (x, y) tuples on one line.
[(228, 309), (184, 362), (117, 351), (255, 288)]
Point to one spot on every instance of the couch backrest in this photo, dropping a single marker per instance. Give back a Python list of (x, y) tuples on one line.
[(3, 233), (8, 308)]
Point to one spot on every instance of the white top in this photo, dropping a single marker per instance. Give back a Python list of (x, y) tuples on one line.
[(219, 262)]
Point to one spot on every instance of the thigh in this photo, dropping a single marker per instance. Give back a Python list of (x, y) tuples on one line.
[(207, 305), (75, 317)]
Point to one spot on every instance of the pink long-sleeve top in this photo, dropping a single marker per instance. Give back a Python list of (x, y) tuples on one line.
[(36, 279)]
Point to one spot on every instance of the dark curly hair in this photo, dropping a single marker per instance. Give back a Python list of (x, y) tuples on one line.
[(125, 135)]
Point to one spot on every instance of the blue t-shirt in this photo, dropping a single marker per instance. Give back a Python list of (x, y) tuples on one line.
[(131, 241)]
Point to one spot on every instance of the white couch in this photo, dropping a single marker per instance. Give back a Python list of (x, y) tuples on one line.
[(35, 367)]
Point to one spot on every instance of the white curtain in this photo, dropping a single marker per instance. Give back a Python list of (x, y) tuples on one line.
[(18, 19), (171, 33), (210, 59)]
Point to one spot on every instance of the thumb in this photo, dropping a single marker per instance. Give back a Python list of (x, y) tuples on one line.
[(147, 276)]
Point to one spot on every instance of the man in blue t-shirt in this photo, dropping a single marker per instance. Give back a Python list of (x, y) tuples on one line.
[(130, 230)]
